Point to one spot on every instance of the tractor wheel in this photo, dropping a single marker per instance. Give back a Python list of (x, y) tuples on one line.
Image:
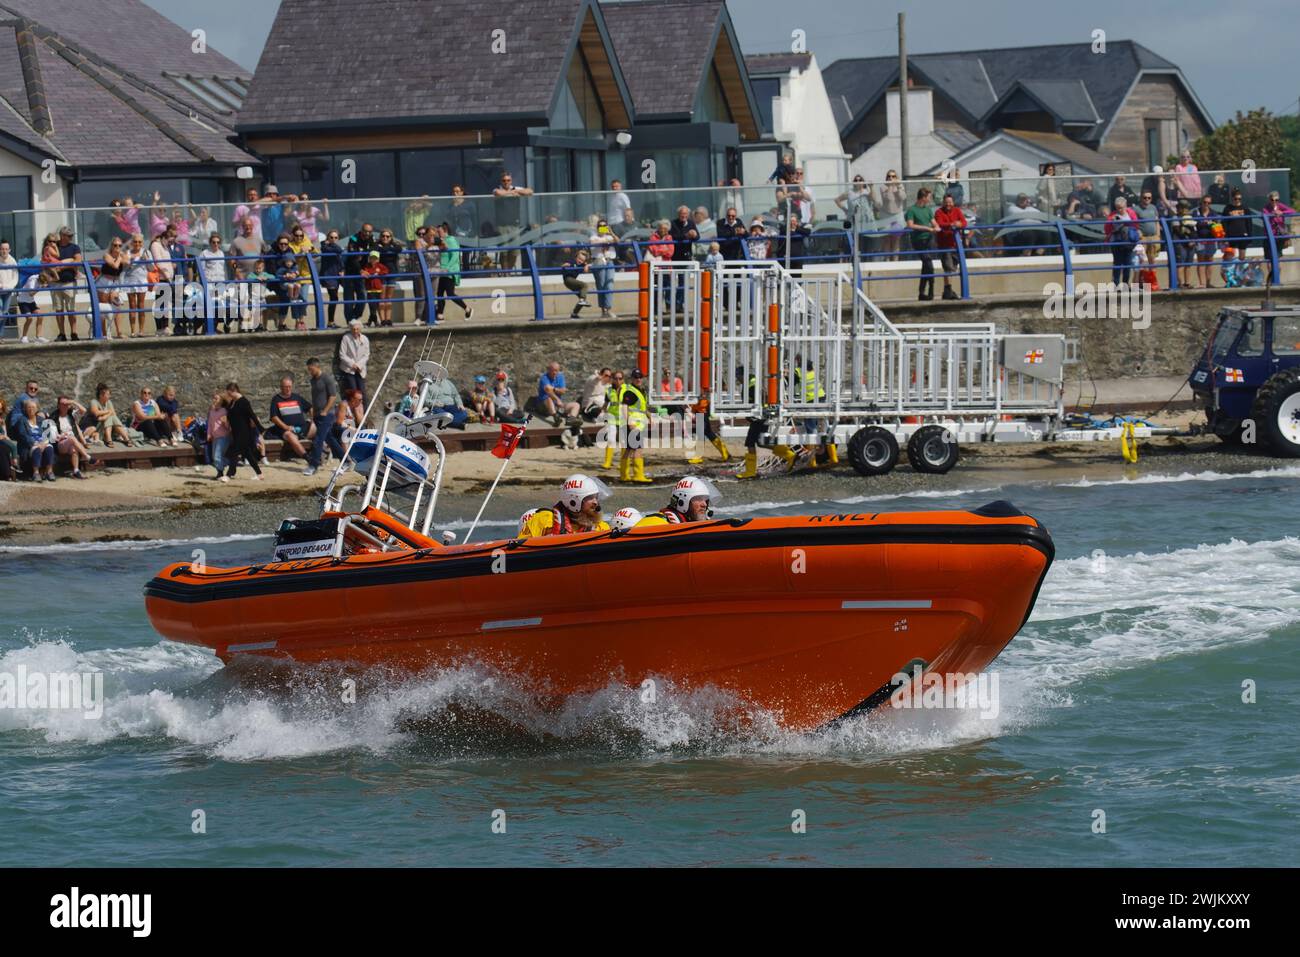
[(873, 451), (932, 449), (1277, 412)]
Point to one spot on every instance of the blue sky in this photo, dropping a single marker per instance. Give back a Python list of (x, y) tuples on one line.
[(1237, 56)]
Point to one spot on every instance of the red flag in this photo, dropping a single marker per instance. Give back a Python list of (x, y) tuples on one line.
[(509, 441)]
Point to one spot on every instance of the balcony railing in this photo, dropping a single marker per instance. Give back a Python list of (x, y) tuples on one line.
[(313, 289)]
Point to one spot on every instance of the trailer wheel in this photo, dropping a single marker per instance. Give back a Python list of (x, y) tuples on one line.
[(932, 449), (873, 451), (1277, 412)]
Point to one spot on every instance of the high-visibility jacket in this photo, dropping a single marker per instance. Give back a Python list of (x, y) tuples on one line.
[(812, 392), (637, 411), (614, 404), (555, 521)]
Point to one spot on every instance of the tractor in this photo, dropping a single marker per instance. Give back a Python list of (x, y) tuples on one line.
[(1248, 378)]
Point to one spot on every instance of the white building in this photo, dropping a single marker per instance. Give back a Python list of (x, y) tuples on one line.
[(796, 111), (927, 146)]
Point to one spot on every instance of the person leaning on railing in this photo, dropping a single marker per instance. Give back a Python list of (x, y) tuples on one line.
[(111, 299), (64, 294), (1122, 234), (920, 221), (1182, 227), (390, 254), (509, 216), (1238, 220), (948, 219), (1280, 216), (330, 269), (1209, 232), (162, 270), (603, 255)]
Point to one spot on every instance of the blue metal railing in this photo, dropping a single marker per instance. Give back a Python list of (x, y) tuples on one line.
[(196, 302)]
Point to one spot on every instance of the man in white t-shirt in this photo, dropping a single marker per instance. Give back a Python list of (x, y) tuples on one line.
[(618, 201)]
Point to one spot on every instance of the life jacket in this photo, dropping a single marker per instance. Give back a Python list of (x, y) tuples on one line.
[(614, 404), (638, 411), (670, 516), (811, 391), (561, 524)]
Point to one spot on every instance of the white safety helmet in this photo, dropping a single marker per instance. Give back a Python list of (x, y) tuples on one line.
[(624, 519), (523, 519), (578, 488), (692, 486)]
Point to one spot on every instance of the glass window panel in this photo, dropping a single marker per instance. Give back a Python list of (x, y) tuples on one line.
[(1286, 335), (765, 90), (364, 175), (428, 172)]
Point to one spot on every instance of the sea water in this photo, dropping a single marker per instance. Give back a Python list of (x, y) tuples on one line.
[(1147, 715)]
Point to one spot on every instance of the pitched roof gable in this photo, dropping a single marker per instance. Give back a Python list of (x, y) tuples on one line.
[(975, 80), (477, 74), (666, 48), (78, 107)]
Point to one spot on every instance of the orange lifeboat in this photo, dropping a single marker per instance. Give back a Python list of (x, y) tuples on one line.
[(810, 618)]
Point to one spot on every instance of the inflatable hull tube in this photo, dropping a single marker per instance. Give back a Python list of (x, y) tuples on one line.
[(809, 618)]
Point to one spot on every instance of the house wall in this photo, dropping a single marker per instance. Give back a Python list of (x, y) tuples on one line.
[(1013, 159), (802, 116), (870, 129), (1153, 98), (23, 230), (923, 152)]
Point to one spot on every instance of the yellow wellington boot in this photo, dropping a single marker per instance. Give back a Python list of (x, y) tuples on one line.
[(695, 458), (785, 454), (751, 466), (832, 454), (625, 466), (639, 475), (609, 457), (721, 446)]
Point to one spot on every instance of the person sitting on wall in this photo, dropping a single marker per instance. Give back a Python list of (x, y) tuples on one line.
[(290, 419)]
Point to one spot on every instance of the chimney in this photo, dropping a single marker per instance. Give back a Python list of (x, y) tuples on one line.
[(30, 64)]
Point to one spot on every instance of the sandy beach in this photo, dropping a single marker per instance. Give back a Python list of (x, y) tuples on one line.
[(185, 503)]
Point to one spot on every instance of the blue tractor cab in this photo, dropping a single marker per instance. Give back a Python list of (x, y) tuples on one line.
[(1248, 377)]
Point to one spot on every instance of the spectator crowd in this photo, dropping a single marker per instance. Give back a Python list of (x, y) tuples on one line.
[(166, 270), (312, 418)]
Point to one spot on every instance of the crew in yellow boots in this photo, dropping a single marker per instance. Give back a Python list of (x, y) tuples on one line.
[(614, 418), (637, 417), (757, 429), (701, 409)]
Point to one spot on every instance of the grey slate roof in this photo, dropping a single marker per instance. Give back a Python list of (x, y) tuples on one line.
[(105, 108), (664, 48), (1067, 99), (127, 33), (975, 80), (776, 64), (415, 60)]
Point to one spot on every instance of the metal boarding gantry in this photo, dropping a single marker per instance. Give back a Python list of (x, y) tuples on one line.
[(816, 358), (396, 463)]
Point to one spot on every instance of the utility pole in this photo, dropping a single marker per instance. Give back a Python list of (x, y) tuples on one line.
[(902, 97)]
